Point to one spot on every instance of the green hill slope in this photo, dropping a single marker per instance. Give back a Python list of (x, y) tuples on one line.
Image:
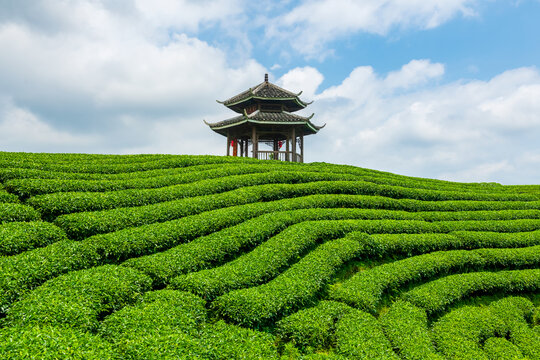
[(204, 257)]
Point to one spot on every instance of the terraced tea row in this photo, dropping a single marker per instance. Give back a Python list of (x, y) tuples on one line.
[(224, 258)]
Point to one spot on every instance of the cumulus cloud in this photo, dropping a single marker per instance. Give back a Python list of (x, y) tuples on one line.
[(313, 24), (463, 131), (107, 69), (306, 79), (21, 130)]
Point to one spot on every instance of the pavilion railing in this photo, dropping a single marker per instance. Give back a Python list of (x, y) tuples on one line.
[(279, 155)]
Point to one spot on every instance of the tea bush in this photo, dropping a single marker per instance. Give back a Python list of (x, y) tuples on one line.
[(16, 237), (365, 289), (294, 288), (436, 295), (17, 212)]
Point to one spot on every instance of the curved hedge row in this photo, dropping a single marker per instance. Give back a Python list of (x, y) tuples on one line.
[(436, 295), (81, 225), (489, 239), (313, 327), (480, 215), (47, 342), (30, 182), (173, 324), (56, 204), (356, 334), (6, 197), (206, 251), (63, 203), (272, 257), (500, 348), (7, 174), (30, 187), (382, 245), (292, 289), (22, 272), (406, 326), (29, 269), (97, 165), (134, 163), (365, 289), (79, 298), (359, 336), (460, 333), (17, 212), (16, 237), (502, 226)]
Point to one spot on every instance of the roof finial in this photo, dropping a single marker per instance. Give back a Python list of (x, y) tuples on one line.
[(265, 77)]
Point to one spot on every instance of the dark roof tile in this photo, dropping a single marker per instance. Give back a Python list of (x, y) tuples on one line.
[(265, 90), (262, 116)]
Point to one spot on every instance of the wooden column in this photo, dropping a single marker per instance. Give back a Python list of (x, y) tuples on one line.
[(228, 144), (287, 155), (293, 140), (241, 143), (255, 142), (246, 149), (302, 147)]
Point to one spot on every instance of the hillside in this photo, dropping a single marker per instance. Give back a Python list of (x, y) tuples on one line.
[(204, 257)]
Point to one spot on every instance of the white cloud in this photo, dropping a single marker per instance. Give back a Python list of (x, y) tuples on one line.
[(106, 69), (21, 130), (185, 14), (461, 131), (416, 72), (306, 79), (313, 24)]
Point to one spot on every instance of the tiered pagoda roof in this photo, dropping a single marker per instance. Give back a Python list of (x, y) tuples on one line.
[(265, 104), (265, 92), (268, 118)]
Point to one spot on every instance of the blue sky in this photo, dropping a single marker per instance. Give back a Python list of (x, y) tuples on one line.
[(441, 89)]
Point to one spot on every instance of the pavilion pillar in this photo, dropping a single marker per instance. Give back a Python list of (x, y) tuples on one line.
[(255, 142), (293, 140), (287, 149), (302, 148), (228, 144), (241, 143), (246, 149), (235, 147)]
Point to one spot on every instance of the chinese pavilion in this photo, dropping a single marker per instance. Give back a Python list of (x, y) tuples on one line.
[(266, 117)]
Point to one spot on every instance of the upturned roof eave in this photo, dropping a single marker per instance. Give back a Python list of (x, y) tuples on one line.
[(306, 122), (253, 93), (295, 99)]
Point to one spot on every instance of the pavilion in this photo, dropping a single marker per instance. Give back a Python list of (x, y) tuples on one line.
[(266, 117)]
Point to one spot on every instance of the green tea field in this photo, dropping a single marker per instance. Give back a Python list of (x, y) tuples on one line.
[(206, 257)]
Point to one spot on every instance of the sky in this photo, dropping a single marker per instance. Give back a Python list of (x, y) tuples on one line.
[(445, 89)]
